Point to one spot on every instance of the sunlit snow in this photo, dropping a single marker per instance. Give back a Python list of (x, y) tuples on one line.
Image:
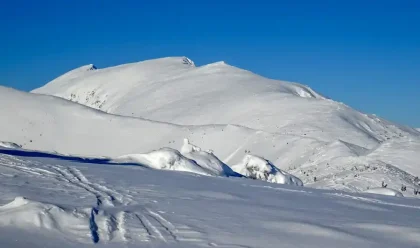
[(165, 153)]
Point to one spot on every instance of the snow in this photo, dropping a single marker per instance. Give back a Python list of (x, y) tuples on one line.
[(384, 191), (206, 159), (51, 202), (397, 152), (9, 145), (157, 154), (27, 214), (165, 159), (217, 107), (83, 70), (192, 159), (170, 90), (258, 168)]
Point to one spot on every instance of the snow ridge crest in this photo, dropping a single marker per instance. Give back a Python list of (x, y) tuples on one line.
[(188, 61)]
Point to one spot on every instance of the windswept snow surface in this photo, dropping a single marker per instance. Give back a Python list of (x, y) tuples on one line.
[(51, 202), (384, 191)]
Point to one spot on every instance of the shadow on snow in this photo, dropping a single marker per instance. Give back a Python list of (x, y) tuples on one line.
[(37, 154)]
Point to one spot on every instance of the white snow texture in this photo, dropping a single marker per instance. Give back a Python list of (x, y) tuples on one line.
[(89, 158)]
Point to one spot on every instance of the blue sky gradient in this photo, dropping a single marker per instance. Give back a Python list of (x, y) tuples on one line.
[(363, 53)]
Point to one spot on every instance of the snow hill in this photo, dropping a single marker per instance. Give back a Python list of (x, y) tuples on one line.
[(134, 109), (174, 90), (52, 124)]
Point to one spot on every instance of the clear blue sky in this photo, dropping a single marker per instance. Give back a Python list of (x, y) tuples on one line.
[(363, 53)]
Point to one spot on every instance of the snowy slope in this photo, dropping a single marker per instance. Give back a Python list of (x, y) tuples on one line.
[(174, 90), (50, 202), (51, 124), (384, 191), (48, 123), (343, 166)]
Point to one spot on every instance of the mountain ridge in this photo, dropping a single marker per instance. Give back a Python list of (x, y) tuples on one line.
[(170, 91)]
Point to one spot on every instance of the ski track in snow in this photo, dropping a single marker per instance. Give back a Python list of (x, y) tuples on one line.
[(145, 225), (118, 215)]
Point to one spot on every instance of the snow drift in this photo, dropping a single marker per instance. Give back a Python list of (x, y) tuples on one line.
[(193, 159), (206, 159), (29, 214), (166, 159), (258, 168)]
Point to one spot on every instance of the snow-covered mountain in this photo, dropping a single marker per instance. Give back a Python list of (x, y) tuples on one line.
[(75, 171), (174, 90), (324, 142)]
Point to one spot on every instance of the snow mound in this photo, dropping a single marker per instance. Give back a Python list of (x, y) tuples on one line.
[(259, 168), (206, 159), (187, 147), (165, 159), (9, 145), (27, 214), (17, 202), (384, 191), (190, 159)]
